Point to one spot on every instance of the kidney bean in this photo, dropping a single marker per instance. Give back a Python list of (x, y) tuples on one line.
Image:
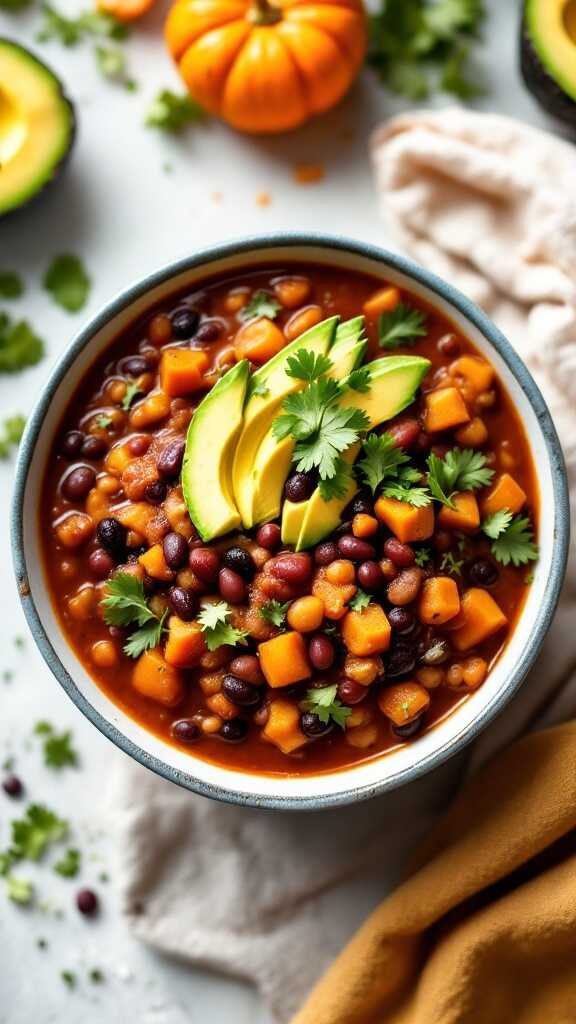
[(361, 504), (101, 563), (355, 549), (205, 563), (321, 652), (184, 322), (351, 692), (299, 487), (296, 568), (139, 445), (78, 483), (247, 667), (240, 561), (448, 345), (169, 461), (182, 603), (240, 692), (422, 443), (370, 576), (401, 554), (405, 732), (72, 444), (87, 902), (404, 432), (234, 731), (269, 536), (326, 553), (231, 586), (112, 536), (401, 659), (312, 726), (185, 730), (404, 589), (156, 492), (402, 620), (93, 447), (175, 550), (208, 332), (481, 572)]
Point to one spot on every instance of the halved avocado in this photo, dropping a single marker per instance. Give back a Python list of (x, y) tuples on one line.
[(394, 382), (207, 468), (36, 125), (548, 55)]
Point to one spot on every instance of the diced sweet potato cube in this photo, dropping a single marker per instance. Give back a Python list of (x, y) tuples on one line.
[(182, 371), (185, 645), (444, 409), (366, 632), (465, 516), (153, 677), (136, 516), (382, 301), (480, 616), (220, 705), (476, 373), (403, 702), (439, 600), (504, 493), (259, 340), (406, 522), (283, 726), (284, 659), (155, 564), (473, 434), (335, 596)]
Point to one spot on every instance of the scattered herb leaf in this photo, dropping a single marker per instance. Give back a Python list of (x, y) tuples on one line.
[(259, 388), (19, 346), (360, 379), (69, 865), (382, 459), (213, 619), (11, 285), (58, 751), (323, 702), (112, 64), (132, 390), (337, 485), (360, 601), (32, 834), (19, 890), (460, 470), (170, 112), (401, 326), (103, 422), (497, 523), (274, 612), (450, 564), (308, 366), (423, 556), (69, 978), (67, 281), (515, 544), (11, 432), (260, 304), (125, 605), (96, 976)]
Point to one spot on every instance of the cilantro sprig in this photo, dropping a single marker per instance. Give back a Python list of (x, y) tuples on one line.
[(125, 605), (11, 285), (218, 631), (132, 391), (460, 470), (171, 112), (402, 325), (260, 304), (57, 747), (360, 380), (274, 612), (20, 347), (324, 703), (512, 538), (308, 366), (360, 601), (386, 466), (68, 283)]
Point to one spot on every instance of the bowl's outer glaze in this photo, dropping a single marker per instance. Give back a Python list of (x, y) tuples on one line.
[(382, 773)]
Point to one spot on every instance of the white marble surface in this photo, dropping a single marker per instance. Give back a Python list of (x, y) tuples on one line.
[(125, 215)]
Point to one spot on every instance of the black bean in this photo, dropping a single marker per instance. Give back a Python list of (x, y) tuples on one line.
[(182, 602), (185, 730), (402, 620), (299, 487), (326, 553), (175, 550), (87, 902), (234, 731), (361, 504), (12, 786), (240, 561), (72, 443), (170, 459), (401, 659), (404, 732), (94, 447), (78, 484), (156, 492), (481, 572), (312, 726), (240, 692), (133, 366), (112, 536), (184, 322), (209, 331)]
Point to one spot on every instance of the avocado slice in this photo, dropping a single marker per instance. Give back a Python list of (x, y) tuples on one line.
[(274, 458), (36, 125), (268, 388), (207, 467), (548, 55), (394, 382)]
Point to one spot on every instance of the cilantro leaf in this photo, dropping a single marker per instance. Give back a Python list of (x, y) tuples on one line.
[(450, 564), (112, 64), (124, 605), (382, 458), (19, 890), (307, 366), (403, 325), (103, 422), (70, 31), (171, 112), (462, 469), (19, 346), (360, 601), (35, 832), (146, 637), (132, 390), (260, 304), (58, 751), (213, 619), (11, 286), (337, 485), (402, 490), (11, 432), (323, 703), (360, 379), (67, 281), (497, 523), (423, 556), (454, 78), (260, 388), (515, 544), (69, 865), (274, 612)]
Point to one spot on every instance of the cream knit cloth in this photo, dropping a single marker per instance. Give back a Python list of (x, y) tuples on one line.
[(489, 204)]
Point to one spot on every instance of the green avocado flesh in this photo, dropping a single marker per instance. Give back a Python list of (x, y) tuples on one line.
[(207, 468), (261, 409), (394, 383), (36, 125), (548, 55)]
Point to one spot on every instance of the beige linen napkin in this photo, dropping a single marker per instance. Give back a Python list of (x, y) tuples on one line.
[(485, 202)]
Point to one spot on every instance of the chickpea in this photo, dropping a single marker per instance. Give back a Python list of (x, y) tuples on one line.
[(104, 654), (107, 484), (211, 724), (388, 569), (486, 400), (455, 676), (430, 677), (115, 391), (236, 299), (153, 409), (216, 659), (363, 737), (506, 456), (341, 572), (302, 321), (210, 683), (358, 716), (144, 382), (75, 529), (474, 672), (81, 605), (292, 291), (160, 330), (306, 614)]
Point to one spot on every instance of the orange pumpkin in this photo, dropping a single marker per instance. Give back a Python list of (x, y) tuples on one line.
[(267, 66)]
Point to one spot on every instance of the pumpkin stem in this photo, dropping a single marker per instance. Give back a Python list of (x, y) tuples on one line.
[(264, 13)]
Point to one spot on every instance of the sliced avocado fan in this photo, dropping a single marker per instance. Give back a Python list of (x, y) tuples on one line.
[(548, 55)]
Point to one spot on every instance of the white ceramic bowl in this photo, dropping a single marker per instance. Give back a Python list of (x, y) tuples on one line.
[(447, 737)]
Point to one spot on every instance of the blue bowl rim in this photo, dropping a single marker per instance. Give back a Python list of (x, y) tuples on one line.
[(469, 310)]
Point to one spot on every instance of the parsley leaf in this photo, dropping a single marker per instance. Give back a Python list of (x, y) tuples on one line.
[(35, 832), (132, 390), (460, 470), (11, 286), (19, 346), (260, 304), (69, 865), (171, 112), (124, 605), (307, 366), (360, 601), (67, 281), (403, 325), (360, 379), (19, 890), (274, 612), (213, 619), (497, 523), (111, 61), (515, 544), (11, 432), (382, 458), (323, 703)]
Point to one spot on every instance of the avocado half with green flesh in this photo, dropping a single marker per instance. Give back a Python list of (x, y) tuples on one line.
[(393, 385), (207, 467), (269, 387), (548, 55), (274, 458), (36, 125)]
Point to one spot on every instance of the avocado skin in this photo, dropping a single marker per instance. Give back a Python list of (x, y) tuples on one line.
[(68, 104), (540, 83)]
